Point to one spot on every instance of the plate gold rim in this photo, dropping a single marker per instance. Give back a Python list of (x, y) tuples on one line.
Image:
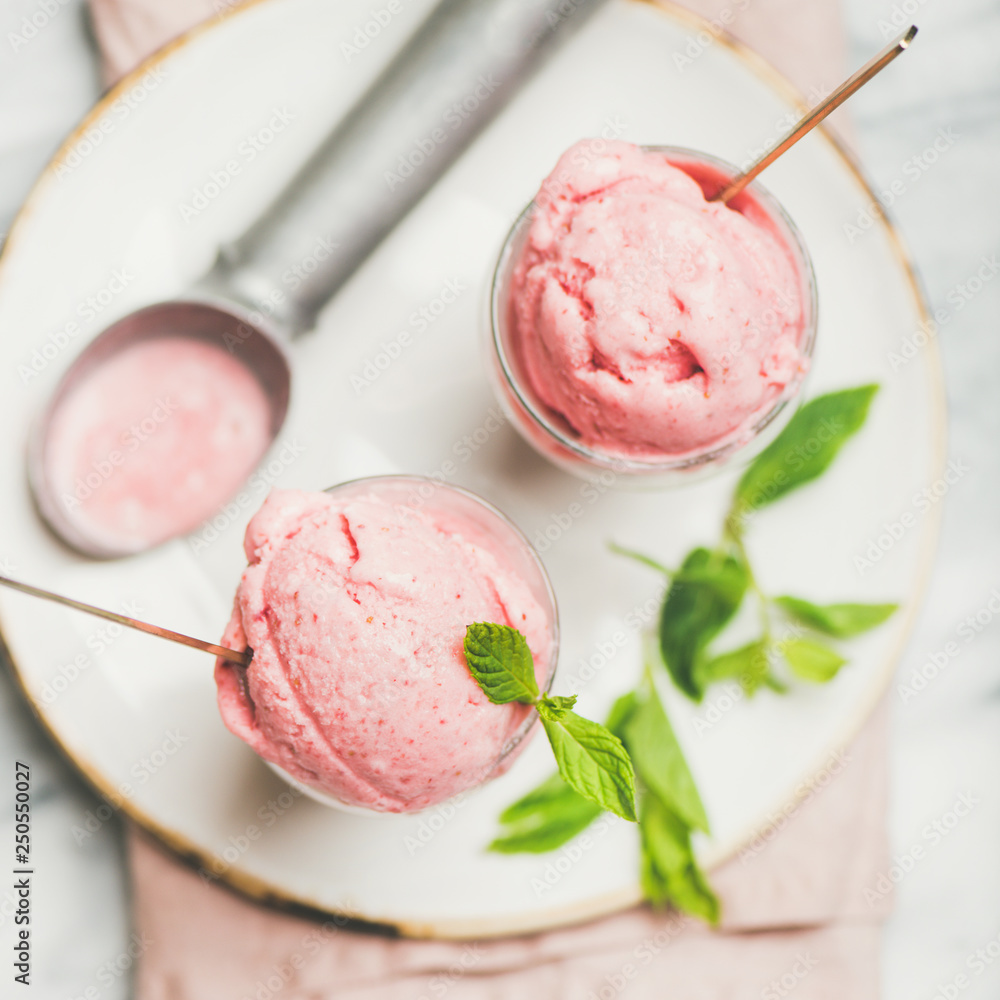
[(266, 893)]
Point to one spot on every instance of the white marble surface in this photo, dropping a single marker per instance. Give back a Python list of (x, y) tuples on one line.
[(945, 740)]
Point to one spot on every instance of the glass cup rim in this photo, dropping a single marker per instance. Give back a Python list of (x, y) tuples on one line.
[(623, 463), (531, 718)]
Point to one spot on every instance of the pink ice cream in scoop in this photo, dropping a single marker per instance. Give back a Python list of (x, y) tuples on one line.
[(654, 323), (355, 604), (154, 439)]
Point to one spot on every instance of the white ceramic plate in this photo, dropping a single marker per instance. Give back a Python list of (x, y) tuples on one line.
[(179, 156)]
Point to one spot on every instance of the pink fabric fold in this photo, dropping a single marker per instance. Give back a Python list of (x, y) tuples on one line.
[(802, 913)]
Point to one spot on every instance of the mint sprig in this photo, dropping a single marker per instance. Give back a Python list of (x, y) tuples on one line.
[(703, 597), (660, 762), (546, 818), (668, 870), (711, 586), (501, 663), (669, 807), (812, 660), (804, 449), (838, 620), (590, 758)]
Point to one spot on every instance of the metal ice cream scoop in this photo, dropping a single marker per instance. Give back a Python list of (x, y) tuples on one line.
[(378, 161)]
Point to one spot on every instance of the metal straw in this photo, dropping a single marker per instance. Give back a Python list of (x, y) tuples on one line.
[(814, 117), (243, 658)]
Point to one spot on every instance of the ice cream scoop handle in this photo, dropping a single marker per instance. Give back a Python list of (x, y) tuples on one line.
[(449, 81), (111, 616)]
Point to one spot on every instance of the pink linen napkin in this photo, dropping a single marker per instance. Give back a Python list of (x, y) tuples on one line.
[(803, 907), (802, 904)]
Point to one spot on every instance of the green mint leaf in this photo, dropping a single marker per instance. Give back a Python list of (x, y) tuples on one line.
[(703, 596), (811, 660), (544, 819), (550, 792), (591, 759), (621, 712), (551, 831), (777, 686), (804, 449), (500, 661), (839, 620), (660, 762), (669, 871), (556, 705), (750, 665)]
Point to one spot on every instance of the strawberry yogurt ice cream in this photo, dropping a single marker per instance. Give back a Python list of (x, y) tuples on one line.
[(655, 324), (149, 443), (355, 604)]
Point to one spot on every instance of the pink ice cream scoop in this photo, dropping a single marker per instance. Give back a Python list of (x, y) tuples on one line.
[(355, 603), (149, 443), (654, 324)]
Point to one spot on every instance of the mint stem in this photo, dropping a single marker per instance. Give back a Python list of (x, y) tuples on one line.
[(639, 557)]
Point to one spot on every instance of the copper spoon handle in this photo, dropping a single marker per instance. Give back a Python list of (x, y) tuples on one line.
[(164, 633), (818, 113)]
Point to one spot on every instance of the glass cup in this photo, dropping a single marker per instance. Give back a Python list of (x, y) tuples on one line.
[(551, 435), (511, 550)]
